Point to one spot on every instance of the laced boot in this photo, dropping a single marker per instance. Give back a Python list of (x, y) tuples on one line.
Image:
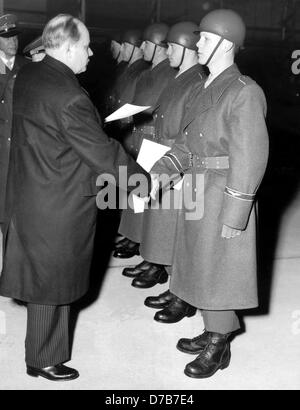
[(215, 356), (161, 301), (195, 345), (175, 311), (155, 275), (135, 271)]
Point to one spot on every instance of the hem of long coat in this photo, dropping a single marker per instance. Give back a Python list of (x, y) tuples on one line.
[(40, 302), (153, 259), (201, 306)]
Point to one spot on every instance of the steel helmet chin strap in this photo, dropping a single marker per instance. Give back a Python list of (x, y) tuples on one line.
[(154, 52), (183, 56), (215, 50), (133, 50)]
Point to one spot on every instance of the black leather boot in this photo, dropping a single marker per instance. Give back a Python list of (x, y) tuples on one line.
[(195, 345), (159, 302), (215, 356), (59, 373), (175, 311), (155, 275), (121, 244), (131, 250), (138, 269)]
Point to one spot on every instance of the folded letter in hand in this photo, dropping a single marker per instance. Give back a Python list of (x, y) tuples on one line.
[(126, 111), (150, 153)]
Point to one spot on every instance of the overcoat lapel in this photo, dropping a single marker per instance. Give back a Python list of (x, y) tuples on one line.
[(208, 97)]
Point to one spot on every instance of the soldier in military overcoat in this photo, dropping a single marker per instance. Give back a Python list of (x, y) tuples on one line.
[(159, 224), (225, 145), (149, 87)]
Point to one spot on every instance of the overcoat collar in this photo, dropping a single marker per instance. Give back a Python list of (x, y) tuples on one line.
[(59, 66), (208, 97), (195, 69), (161, 66)]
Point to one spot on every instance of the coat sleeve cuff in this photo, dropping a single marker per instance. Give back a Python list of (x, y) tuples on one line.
[(237, 208), (176, 161)]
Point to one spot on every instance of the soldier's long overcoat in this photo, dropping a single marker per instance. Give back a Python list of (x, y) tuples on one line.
[(57, 152), (227, 119), (7, 79), (159, 225), (149, 88)]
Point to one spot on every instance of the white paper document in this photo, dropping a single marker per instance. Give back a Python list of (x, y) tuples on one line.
[(138, 204), (150, 153), (125, 111)]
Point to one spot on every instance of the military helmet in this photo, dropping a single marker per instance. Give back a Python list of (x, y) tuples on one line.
[(134, 37), (225, 23), (157, 34), (184, 34), (116, 36)]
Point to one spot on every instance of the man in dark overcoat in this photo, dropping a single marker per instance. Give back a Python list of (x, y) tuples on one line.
[(223, 158), (148, 89), (10, 63), (58, 150)]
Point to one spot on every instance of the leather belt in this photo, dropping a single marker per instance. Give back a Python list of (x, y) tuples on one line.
[(209, 162)]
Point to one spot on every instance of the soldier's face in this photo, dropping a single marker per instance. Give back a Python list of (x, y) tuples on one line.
[(175, 54), (9, 46), (126, 51), (148, 49), (206, 45)]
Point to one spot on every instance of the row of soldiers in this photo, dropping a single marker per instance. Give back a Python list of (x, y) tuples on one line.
[(213, 121)]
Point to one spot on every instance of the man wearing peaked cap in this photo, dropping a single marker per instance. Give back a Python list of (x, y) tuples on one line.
[(8, 25), (10, 64), (35, 50)]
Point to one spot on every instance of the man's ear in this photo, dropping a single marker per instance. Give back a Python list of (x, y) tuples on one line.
[(69, 48)]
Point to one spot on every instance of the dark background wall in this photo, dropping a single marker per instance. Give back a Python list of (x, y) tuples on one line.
[(267, 20)]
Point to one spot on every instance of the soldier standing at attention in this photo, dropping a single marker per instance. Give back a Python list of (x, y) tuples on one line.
[(149, 88), (226, 141), (10, 63), (159, 225), (133, 55)]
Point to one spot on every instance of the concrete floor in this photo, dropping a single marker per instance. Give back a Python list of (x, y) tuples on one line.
[(117, 344)]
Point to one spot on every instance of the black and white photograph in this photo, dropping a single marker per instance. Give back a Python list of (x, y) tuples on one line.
[(150, 198)]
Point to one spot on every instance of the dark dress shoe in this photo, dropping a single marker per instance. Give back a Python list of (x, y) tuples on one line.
[(216, 356), (156, 274), (195, 345), (159, 302), (175, 311), (133, 272), (127, 253), (59, 373)]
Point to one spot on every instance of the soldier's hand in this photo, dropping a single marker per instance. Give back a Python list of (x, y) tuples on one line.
[(230, 233)]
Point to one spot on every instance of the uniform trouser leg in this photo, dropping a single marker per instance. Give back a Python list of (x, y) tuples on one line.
[(223, 321), (47, 339)]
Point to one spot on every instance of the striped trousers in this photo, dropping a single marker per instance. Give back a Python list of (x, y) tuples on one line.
[(47, 338)]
